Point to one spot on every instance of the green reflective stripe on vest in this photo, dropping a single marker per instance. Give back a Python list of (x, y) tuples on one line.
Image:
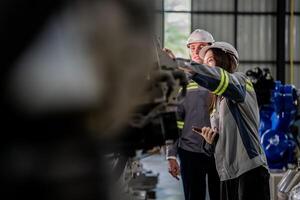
[(192, 84), (248, 81), (180, 124), (249, 86), (216, 91), (192, 87), (212, 112), (226, 83)]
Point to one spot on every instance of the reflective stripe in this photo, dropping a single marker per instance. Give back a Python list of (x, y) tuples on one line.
[(248, 81), (226, 83), (180, 124), (180, 127), (216, 91), (192, 84), (249, 86), (192, 87)]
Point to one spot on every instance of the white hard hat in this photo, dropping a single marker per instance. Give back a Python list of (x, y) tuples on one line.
[(226, 47), (200, 35)]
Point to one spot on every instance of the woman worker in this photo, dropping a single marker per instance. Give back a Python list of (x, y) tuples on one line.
[(233, 135)]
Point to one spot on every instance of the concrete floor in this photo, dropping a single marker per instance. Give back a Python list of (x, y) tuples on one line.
[(168, 188)]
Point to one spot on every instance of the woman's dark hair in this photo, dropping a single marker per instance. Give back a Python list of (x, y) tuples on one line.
[(224, 60), (227, 62)]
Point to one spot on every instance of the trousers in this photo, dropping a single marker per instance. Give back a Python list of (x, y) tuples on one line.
[(251, 185), (194, 168)]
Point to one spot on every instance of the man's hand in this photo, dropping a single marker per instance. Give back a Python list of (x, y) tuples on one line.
[(174, 168), (207, 133)]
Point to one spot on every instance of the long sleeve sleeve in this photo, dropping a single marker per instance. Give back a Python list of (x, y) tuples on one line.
[(209, 149), (171, 150), (220, 82)]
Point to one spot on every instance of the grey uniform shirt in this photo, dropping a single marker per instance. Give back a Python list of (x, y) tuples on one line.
[(193, 111)]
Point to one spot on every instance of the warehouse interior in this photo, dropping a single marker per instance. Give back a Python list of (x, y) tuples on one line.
[(103, 99), (268, 24)]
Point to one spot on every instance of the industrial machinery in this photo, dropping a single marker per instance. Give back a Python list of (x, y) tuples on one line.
[(153, 123), (295, 193), (288, 187), (277, 140), (263, 83), (278, 112)]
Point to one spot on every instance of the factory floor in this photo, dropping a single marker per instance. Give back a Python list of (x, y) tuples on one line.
[(168, 188)]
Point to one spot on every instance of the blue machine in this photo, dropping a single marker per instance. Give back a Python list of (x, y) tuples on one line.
[(275, 122)]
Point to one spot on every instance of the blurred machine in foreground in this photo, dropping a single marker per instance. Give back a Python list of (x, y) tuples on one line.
[(80, 80)]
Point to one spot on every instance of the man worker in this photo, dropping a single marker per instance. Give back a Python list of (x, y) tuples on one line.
[(194, 111)]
